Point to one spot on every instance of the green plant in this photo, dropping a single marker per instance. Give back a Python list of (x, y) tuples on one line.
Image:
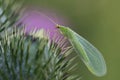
[(26, 57), (35, 56)]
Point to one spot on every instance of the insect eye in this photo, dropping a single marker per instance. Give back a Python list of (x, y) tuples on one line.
[(57, 26)]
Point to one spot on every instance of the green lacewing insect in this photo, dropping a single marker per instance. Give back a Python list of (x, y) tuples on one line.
[(91, 57)]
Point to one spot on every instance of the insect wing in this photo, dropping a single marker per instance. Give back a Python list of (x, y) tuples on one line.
[(96, 63)]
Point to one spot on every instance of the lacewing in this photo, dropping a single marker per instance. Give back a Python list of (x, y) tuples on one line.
[(90, 55)]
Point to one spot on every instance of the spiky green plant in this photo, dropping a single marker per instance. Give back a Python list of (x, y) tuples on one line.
[(9, 12), (26, 57)]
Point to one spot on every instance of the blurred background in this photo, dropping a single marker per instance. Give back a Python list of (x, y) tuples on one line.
[(96, 20)]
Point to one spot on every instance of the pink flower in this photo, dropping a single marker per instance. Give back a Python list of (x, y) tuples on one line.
[(36, 20)]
